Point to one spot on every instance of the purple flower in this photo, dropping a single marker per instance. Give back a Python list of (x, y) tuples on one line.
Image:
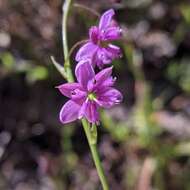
[(91, 92), (99, 49)]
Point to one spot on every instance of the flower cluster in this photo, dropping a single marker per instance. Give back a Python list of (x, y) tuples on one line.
[(99, 49), (93, 91)]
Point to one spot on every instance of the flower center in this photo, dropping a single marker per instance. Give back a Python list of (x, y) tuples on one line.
[(103, 43), (91, 96)]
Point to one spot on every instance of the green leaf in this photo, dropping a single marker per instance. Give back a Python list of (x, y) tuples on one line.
[(7, 60), (59, 67), (37, 73), (185, 10)]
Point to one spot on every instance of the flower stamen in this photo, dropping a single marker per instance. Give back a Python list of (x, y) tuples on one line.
[(92, 96)]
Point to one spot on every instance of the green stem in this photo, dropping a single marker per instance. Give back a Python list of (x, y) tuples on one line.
[(90, 133), (67, 66), (93, 147)]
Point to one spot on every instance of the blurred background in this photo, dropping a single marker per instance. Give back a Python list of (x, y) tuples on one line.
[(144, 142)]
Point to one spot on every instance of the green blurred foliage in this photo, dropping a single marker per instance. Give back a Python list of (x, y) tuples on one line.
[(37, 73), (185, 10), (179, 72), (33, 72), (7, 60)]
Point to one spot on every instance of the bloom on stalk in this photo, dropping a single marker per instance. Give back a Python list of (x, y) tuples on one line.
[(88, 94), (98, 48)]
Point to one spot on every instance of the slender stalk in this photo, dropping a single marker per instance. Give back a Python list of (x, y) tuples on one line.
[(93, 147), (75, 46), (90, 133), (87, 9), (67, 66)]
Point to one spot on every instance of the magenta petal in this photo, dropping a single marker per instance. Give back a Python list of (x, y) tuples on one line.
[(97, 58), (69, 112), (106, 55), (91, 112), (103, 57), (67, 88), (110, 97), (86, 51), (114, 51), (105, 19), (103, 75), (112, 33), (91, 85), (84, 72), (79, 96), (82, 110), (108, 82), (93, 34)]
